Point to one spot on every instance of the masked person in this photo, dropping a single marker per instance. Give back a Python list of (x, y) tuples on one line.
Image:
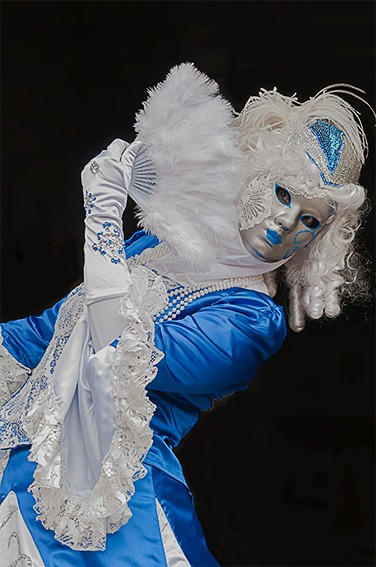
[(100, 388)]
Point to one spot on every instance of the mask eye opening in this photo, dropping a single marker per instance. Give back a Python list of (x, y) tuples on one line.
[(282, 194), (316, 223)]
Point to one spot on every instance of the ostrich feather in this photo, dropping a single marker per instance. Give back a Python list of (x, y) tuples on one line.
[(190, 170), (271, 110)]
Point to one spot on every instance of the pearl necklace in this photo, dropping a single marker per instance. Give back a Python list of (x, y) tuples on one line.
[(149, 254), (180, 296)]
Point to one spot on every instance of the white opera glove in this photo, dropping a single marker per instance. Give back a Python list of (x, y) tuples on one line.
[(105, 184)]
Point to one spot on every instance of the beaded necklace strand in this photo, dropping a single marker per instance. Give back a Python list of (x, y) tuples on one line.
[(180, 296)]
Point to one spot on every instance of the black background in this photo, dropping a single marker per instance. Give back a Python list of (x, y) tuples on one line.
[(282, 474)]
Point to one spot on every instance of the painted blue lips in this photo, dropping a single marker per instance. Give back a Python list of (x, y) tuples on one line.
[(273, 236)]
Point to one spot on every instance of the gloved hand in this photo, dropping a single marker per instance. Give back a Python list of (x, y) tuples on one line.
[(105, 183), (106, 178)]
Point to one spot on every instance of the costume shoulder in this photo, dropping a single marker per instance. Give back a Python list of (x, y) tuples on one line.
[(22, 344), (138, 242), (26, 339), (220, 343)]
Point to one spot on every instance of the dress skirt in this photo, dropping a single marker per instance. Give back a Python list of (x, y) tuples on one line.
[(164, 530)]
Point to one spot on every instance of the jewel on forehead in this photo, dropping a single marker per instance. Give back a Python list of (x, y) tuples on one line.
[(331, 142)]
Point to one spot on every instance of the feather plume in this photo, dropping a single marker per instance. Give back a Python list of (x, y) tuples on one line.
[(192, 167), (272, 110)]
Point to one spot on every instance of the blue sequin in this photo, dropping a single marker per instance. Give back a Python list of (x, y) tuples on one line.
[(12, 434), (330, 139), (60, 344)]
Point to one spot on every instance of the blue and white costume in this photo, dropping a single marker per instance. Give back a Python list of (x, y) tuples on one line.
[(99, 389), (212, 348)]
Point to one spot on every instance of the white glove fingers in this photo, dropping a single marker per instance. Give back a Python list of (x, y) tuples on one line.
[(116, 148), (127, 161), (107, 177), (130, 152)]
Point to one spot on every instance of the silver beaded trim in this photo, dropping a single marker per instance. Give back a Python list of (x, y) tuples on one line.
[(8, 517), (21, 556), (148, 254)]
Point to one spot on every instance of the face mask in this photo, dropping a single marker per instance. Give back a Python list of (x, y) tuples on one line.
[(292, 222)]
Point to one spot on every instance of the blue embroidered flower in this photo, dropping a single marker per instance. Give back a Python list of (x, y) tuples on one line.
[(89, 200), (110, 242)]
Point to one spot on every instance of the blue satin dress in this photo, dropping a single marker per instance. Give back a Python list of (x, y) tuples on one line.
[(213, 348)]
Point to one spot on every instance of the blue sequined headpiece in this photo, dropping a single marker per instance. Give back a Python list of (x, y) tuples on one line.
[(327, 147)]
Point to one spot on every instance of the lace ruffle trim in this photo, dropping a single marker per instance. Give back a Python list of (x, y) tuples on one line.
[(12, 373), (255, 204), (83, 524)]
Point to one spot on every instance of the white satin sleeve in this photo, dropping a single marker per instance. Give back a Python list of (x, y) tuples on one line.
[(85, 407), (105, 183), (106, 324)]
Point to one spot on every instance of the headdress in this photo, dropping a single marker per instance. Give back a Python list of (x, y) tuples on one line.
[(205, 171), (278, 133)]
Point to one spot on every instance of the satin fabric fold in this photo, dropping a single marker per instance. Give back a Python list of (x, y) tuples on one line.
[(16, 543), (213, 348), (82, 384), (33, 332), (136, 544)]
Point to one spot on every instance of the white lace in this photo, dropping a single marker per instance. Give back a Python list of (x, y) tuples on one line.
[(4, 458), (12, 373), (255, 203), (180, 296), (78, 523), (34, 414)]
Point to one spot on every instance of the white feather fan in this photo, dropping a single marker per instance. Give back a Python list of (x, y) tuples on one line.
[(188, 174)]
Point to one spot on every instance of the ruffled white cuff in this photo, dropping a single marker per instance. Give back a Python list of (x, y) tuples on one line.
[(64, 410)]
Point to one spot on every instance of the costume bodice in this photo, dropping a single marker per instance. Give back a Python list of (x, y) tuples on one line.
[(213, 346)]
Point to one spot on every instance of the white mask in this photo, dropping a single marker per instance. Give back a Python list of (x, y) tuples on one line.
[(293, 222)]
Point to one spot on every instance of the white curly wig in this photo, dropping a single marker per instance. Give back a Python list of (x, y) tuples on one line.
[(321, 275)]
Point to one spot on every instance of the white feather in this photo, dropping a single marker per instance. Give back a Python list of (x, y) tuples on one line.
[(188, 131), (272, 110)]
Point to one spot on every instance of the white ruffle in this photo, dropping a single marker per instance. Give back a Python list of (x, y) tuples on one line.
[(82, 523)]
